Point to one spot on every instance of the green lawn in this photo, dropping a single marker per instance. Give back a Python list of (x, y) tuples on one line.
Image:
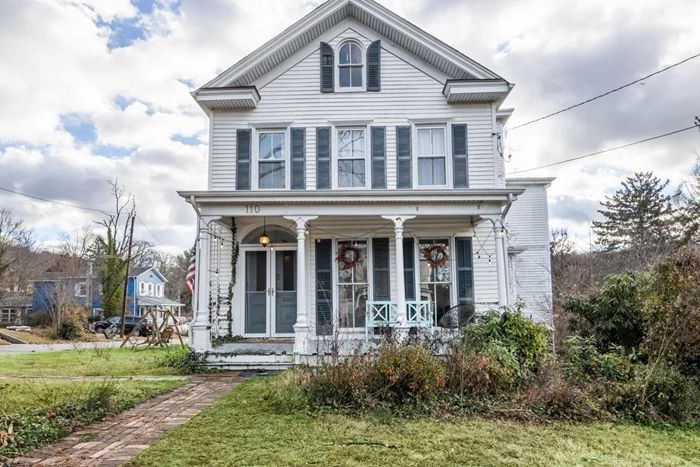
[(240, 429), (18, 395), (87, 362)]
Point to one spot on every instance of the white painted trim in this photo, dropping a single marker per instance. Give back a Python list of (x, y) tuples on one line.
[(221, 98), (362, 64), (335, 157), (327, 9), (255, 157), (351, 123), (449, 178), (430, 121), (270, 125)]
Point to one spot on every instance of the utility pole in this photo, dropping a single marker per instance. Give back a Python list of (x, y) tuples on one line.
[(126, 278)]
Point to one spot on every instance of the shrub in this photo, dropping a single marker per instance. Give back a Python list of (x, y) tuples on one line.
[(491, 372), (553, 397), (672, 311), (584, 362), (613, 316), (404, 372), (184, 360), (69, 330), (527, 340)]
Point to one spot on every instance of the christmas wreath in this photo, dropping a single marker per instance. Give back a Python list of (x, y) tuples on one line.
[(348, 255), (436, 256)]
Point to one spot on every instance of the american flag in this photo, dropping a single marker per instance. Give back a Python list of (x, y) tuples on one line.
[(189, 279)]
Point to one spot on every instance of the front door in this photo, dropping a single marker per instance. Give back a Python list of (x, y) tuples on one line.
[(270, 292)]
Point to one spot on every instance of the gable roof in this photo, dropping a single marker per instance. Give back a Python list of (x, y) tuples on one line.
[(136, 272), (388, 24)]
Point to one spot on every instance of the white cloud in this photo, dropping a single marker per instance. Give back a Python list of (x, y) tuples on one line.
[(58, 61)]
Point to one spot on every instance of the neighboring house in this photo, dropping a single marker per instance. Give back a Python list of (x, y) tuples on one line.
[(14, 308), (60, 289), (147, 291), (369, 154)]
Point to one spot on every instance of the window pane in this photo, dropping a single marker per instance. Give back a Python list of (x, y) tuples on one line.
[(425, 171), (345, 144), (358, 173), (358, 143), (271, 175), (424, 148), (439, 171), (442, 298), (345, 173), (438, 141), (265, 146), (355, 54), (344, 73), (428, 274), (356, 77), (278, 145), (360, 269), (360, 305), (345, 305), (344, 55)]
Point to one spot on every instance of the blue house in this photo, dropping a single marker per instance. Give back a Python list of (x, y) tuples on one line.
[(147, 291), (59, 288)]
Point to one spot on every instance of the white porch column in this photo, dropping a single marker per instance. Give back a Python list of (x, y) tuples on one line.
[(402, 330), (200, 340), (501, 266), (301, 328)]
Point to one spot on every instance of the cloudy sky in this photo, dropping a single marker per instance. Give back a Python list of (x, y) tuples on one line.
[(98, 89)]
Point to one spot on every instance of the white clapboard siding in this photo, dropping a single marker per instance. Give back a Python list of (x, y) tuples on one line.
[(528, 227), (407, 93)]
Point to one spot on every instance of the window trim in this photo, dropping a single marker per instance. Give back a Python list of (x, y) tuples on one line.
[(149, 289), (79, 289), (159, 290), (335, 156), (417, 157), (255, 158), (362, 65), (142, 288)]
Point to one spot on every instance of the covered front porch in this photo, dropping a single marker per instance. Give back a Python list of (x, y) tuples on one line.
[(345, 266)]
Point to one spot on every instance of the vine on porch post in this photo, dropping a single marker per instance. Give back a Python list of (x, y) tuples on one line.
[(235, 250)]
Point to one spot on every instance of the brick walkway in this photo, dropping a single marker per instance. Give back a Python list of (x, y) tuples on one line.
[(113, 441)]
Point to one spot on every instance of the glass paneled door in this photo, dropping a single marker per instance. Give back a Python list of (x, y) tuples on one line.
[(270, 292)]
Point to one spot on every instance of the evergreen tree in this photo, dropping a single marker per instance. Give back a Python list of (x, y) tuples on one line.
[(639, 215), (689, 217)]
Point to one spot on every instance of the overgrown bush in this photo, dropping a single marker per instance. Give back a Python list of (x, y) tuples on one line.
[(613, 316), (584, 362), (69, 330), (492, 371), (672, 311), (525, 339), (405, 372), (184, 360)]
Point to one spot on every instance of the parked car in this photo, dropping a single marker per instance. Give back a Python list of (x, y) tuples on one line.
[(145, 328)]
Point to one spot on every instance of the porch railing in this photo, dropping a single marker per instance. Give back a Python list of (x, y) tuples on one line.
[(384, 314)]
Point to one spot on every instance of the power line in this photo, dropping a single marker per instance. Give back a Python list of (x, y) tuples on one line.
[(75, 206), (149, 230), (607, 93), (56, 202), (606, 150)]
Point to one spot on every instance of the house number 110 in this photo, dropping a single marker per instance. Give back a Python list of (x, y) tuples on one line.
[(252, 208)]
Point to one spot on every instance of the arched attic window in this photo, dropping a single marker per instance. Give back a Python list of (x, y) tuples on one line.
[(350, 65)]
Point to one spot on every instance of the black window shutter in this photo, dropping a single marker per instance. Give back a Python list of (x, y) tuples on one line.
[(378, 157), (323, 158), (324, 287), (409, 268), (374, 66), (465, 279), (404, 156), (460, 163), (327, 65), (298, 136), (243, 159), (380, 254)]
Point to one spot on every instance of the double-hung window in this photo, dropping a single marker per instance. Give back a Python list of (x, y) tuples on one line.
[(432, 156), (351, 158), (150, 290), (271, 160), (353, 286), (350, 65), (435, 282), (142, 288)]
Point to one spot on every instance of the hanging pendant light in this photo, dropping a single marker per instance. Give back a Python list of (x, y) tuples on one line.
[(264, 239)]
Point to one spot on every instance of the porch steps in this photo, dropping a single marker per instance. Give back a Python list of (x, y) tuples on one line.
[(252, 356)]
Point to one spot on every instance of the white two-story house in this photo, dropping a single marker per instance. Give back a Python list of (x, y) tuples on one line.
[(356, 180)]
